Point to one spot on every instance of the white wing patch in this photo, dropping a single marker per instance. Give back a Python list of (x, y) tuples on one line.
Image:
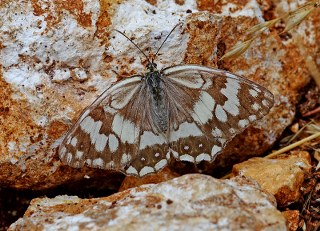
[(221, 114), (231, 92), (79, 155), (125, 129), (192, 82), (121, 97), (203, 108), (113, 143), (161, 164), (243, 123), (255, 106), (125, 159), (74, 141), (98, 163), (187, 157), (185, 130), (203, 157), (132, 171), (146, 170), (91, 127), (101, 142), (216, 132), (149, 139), (253, 92), (215, 150)]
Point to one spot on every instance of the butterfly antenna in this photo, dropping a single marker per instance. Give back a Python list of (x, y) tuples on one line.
[(166, 38), (133, 44)]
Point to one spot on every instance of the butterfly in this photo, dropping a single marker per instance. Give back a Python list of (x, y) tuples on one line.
[(186, 112)]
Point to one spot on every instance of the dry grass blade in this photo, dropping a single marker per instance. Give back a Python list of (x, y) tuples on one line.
[(317, 157), (238, 49), (293, 18), (313, 128), (259, 28), (299, 132), (297, 16), (317, 110), (291, 146)]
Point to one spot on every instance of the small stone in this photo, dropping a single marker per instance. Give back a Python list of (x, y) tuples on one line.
[(293, 219), (282, 177)]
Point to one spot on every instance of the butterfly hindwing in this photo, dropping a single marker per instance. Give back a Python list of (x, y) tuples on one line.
[(151, 147)]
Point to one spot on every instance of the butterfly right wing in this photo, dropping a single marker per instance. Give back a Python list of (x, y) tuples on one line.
[(209, 107)]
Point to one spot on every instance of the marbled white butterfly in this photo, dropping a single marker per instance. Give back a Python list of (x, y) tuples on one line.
[(187, 112)]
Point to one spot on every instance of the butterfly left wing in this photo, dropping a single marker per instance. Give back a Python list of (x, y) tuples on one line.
[(209, 107), (96, 139), (117, 132)]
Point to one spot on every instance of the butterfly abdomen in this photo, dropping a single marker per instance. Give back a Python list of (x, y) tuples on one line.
[(158, 103)]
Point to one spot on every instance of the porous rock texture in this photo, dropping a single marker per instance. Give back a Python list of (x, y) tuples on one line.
[(190, 202), (293, 218), (58, 56)]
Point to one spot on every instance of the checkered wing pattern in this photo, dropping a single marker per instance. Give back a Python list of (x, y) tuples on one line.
[(204, 108), (117, 132), (208, 108)]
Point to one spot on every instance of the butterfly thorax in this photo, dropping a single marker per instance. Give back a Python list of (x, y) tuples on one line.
[(158, 105)]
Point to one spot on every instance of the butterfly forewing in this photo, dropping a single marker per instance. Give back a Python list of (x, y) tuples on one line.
[(124, 130)]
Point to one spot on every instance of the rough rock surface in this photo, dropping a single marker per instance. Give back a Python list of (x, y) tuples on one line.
[(190, 202), (281, 177), (58, 56), (293, 219)]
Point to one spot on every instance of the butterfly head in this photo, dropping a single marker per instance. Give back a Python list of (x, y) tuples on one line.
[(151, 66)]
